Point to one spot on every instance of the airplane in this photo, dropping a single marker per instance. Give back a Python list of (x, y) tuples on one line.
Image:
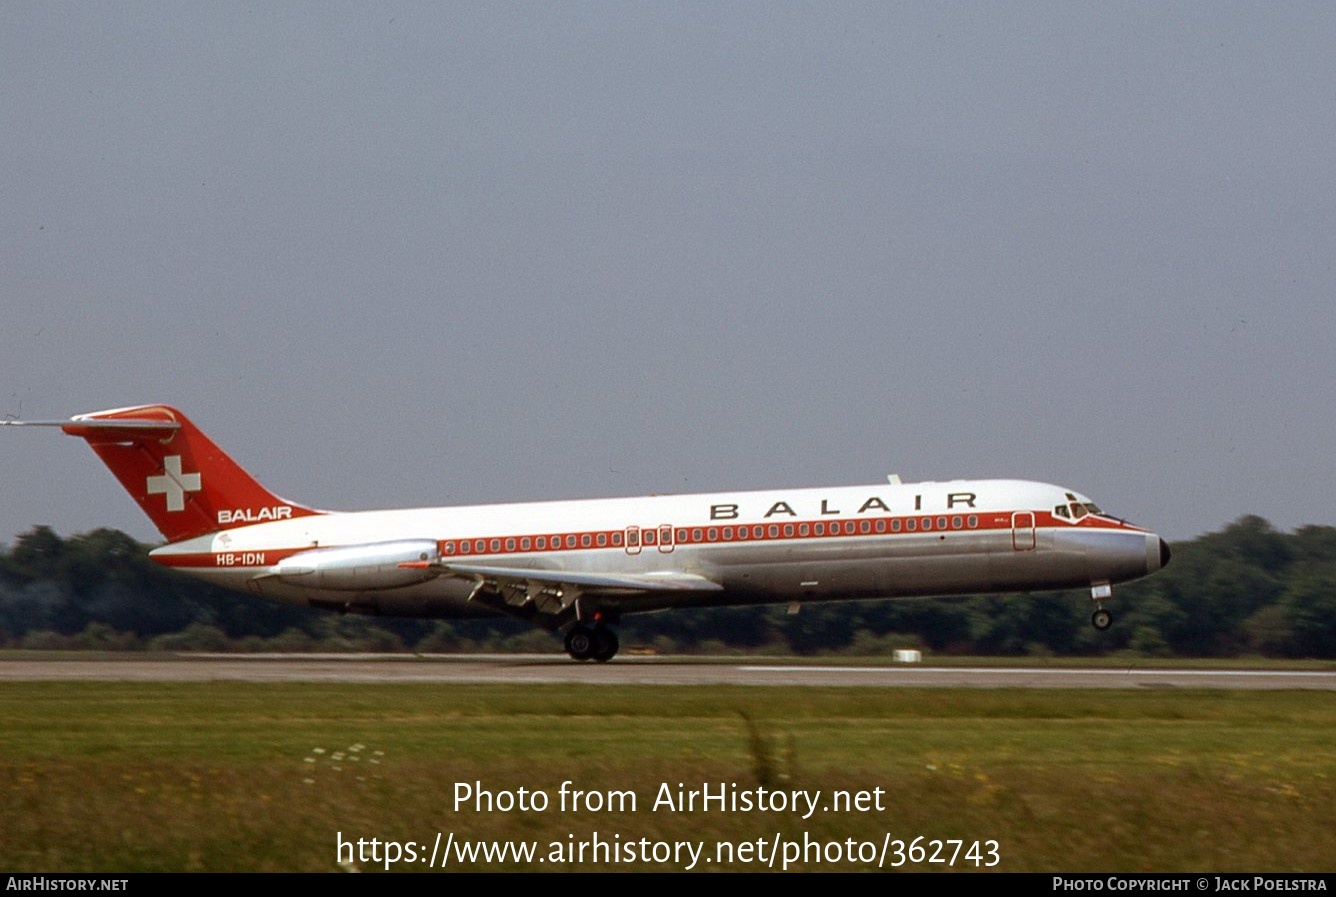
[(578, 566)]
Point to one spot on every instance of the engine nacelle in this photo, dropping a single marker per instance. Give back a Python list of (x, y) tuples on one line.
[(376, 565)]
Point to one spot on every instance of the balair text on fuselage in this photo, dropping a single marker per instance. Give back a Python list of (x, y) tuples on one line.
[(733, 511)]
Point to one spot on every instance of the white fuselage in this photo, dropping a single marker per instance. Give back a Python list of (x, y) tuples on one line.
[(886, 540)]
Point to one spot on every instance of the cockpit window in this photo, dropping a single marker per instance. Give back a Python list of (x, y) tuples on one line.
[(1075, 509)]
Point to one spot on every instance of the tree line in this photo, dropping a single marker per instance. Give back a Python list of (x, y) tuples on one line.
[(1245, 590)]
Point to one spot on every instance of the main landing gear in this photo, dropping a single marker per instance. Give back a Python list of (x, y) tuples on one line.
[(591, 643)]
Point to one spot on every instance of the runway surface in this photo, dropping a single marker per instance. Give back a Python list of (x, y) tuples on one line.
[(531, 669)]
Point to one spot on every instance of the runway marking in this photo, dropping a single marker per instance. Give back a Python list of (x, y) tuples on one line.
[(1003, 671)]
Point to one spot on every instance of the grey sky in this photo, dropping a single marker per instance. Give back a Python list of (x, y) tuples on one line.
[(402, 254)]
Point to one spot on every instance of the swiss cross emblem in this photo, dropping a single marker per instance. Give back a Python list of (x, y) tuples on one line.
[(173, 483)]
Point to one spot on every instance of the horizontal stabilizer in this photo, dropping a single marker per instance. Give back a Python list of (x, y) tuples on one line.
[(90, 424)]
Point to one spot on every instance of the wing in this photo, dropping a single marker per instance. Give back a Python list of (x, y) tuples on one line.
[(555, 596), (664, 581)]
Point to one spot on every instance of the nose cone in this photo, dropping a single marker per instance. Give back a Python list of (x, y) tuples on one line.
[(1157, 554)]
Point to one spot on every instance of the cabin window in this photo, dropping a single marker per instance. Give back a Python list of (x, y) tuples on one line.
[(957, 523), (681, 535), (586, 540), (911, 524), (510, 544), (941, 523), (602, 540), (972, 520), (774, 531), (616, 540), (712, 534), (865, 526)]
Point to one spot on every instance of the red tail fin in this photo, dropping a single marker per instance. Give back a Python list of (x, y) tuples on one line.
[(185, 483)]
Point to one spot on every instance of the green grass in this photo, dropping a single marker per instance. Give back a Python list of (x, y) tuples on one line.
[(238, 776)]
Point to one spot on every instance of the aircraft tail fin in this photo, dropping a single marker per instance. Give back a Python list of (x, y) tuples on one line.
[(185, 483)]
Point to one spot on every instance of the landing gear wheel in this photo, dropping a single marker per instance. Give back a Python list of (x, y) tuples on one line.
[(580, 643), (1101, 619), (605, 644)]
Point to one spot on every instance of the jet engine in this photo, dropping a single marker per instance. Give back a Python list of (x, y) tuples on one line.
[(376, 565)]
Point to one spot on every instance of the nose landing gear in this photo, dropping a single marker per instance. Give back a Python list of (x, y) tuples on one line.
[(1101, 619)]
